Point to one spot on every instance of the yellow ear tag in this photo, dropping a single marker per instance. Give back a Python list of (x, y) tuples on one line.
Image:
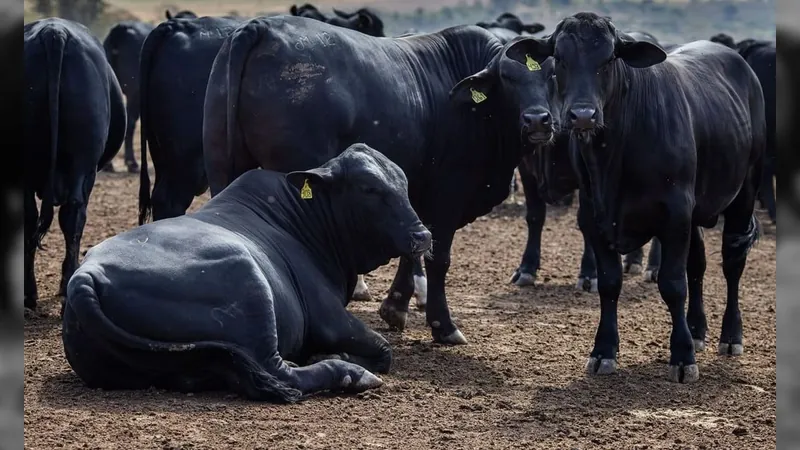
[(477, 96), (305, 192), (532, 64)]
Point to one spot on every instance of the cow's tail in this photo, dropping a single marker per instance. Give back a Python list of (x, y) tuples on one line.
[(242, 41), (149, 48), (249, 377), (54, 43)]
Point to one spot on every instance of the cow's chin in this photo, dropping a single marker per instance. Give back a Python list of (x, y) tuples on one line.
[(539, 137)]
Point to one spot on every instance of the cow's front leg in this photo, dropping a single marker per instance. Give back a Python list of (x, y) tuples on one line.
[(535, 214), (394, 309), (361, 291), (348, 339), (603, 358), (438, 317), (587, 277)]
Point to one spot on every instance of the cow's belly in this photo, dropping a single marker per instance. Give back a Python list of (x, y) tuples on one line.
[(201, 288)]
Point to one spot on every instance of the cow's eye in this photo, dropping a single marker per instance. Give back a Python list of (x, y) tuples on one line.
[(369, 190)]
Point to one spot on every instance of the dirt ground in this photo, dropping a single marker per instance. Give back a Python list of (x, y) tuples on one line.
[(519, 383)]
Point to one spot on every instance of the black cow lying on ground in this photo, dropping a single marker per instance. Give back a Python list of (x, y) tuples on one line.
[(74, 125), (450, 108), (657, 155), (761, 56), (363, 20), (258, 277), (185, 14), (123, 46)]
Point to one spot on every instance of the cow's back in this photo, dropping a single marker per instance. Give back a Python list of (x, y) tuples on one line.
[(123, 46)]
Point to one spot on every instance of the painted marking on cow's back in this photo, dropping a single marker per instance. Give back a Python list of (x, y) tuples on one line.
[(303, 76), (323, 39)]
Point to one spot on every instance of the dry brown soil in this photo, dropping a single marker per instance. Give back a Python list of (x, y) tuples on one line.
[(518, 384)]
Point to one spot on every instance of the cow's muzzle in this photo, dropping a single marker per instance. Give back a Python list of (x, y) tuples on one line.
[(420, 242), (537, 127)]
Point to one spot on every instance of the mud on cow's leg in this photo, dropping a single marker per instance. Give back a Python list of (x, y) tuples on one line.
[(695, 271), (348, 339), (603, 358), (361, 291), (535, 214), (31, 218), (587, 277), (394, 309), (437, 314), (653, 261)]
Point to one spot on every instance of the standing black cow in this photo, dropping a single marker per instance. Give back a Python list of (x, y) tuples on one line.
[(363, 20), (74, 125), (123, 46), (657, 154), (531, 174), (761, 56), (185, 14), (176, 61), (257, 277), (450, 108)]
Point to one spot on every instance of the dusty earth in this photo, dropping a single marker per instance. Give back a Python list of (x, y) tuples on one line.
[(518, 384)]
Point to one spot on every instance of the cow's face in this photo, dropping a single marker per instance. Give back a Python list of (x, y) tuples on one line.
[(587, 50), (514, 84), (369, 197)]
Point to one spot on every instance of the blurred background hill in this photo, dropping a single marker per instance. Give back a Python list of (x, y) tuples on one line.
[(672, 21)]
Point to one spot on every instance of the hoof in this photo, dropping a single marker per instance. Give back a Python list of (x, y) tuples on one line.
[(395, 318), (367, 381), (634, 269), (730, 349), (684, 374), (361, 292), (699, 345), (454, 338), (651, 275), (523, 279), (133, 168), (595, 366), (421, 291), (30, 313), (587, 284), (108, 168)]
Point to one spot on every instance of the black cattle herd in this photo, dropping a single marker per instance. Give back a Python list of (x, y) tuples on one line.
[(326, 147)]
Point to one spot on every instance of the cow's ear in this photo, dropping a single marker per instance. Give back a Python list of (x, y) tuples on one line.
[(364, 20), (474, 89), (317, 176), (168, 15), (529, 50), (533, 28), (293, 10), (342, 14), (639, 54)]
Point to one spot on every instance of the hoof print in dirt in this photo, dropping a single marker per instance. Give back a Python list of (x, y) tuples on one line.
[(523, 279), (725, 349), (600, 366), (393, 317), (587, 284), (684, 374)]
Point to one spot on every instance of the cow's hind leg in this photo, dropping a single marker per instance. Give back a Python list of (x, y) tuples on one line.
[(394, 309), (361, 291), (535, 214), (695, 271), (171, 198), (587, 278), (133, 115), (740, 232), (31, 218), (632, 262), (653, 261), (348, 339)]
